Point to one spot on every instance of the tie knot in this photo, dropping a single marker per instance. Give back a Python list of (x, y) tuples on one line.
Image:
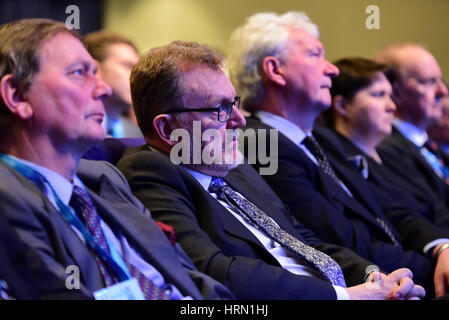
[(313, 146), (80, 197), (216, 184)]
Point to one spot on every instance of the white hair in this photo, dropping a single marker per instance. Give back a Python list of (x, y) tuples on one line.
[(263, 34)]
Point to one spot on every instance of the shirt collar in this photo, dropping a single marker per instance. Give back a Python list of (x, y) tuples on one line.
[(61, 185), (286, 127), (416, 135), (202, 178)]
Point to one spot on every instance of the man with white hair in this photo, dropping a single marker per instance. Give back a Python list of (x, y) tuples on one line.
[(277, 64)]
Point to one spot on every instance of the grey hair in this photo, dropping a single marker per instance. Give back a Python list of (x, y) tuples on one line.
[(263, 34)]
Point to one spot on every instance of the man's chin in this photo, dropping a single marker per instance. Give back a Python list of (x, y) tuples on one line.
[(92, 139), (213, 170)]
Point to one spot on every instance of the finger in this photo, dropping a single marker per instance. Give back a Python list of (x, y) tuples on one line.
[(403, 288), (401, 273), (441, 286), (413, 298), (417, 292)]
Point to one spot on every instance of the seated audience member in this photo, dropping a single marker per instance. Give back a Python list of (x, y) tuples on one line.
[(439, 132), (278, 65), (224, 215), (362, 116), (417, 92), (78, 216), (115, 56)]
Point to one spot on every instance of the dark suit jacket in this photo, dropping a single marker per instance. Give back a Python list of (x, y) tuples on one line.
[(217, 242), (42, 227), (416, 175), (23, 271), (324, 207), (388, 179)]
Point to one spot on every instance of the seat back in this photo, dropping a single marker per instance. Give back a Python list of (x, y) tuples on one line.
[(111, 149)]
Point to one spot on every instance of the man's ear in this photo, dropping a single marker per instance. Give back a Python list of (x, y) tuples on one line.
[(13, 98), (340, 106), (271, 67), (163, 125)]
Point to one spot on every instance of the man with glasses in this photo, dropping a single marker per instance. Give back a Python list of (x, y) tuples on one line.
[(417, 92), (224, 215)]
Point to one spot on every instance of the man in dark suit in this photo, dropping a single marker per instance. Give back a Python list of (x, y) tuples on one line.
[(225, 216), (89, 235), (417, 93), (278, 65)]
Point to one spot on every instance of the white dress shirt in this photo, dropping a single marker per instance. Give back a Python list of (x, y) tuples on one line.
[(63, 189), (285, 258)]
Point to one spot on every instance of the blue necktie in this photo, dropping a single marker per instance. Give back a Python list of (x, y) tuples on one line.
[(256, 217)]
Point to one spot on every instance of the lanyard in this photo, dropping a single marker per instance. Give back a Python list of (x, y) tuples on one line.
[(117, 265)]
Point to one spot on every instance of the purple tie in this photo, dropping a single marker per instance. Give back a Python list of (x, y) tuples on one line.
[(83, 206)]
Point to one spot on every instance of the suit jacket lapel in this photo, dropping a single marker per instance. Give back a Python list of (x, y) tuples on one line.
[(414, 151), (73, 247), (275, 209), (328, 187), (358, 184), (140, 231), (83, 257)]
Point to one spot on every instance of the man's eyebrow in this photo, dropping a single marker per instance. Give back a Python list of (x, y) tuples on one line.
[(85, 63)]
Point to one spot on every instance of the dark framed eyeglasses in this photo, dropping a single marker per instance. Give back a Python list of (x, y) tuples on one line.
[(224, 109)]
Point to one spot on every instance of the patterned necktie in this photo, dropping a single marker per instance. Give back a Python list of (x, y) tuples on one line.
[(433, 156), (256, 217), (314, 148), (83, 206)]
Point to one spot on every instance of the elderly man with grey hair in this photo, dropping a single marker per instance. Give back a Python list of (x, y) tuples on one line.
[(277, 64)]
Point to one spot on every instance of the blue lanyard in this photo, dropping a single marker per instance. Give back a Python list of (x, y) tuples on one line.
[(118, 266)]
